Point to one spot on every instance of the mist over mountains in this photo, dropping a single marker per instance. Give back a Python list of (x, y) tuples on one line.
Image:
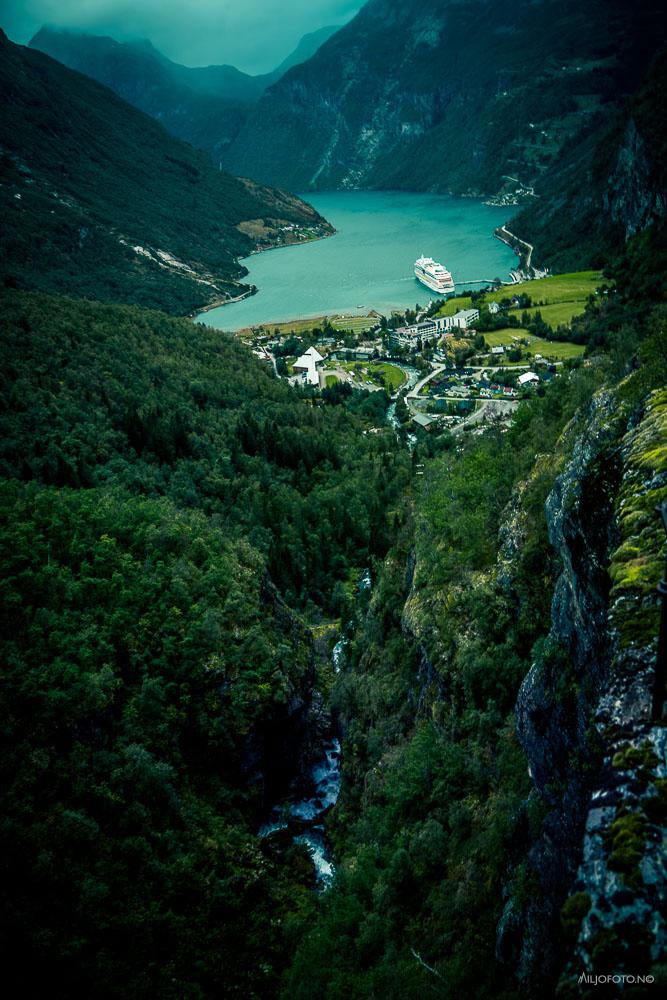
[(204, 106)]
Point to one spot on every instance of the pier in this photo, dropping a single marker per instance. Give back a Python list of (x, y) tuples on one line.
[(485, 281)]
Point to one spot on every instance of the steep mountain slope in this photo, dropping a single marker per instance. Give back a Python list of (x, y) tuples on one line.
[(306, 48), (449, 96), (206, 112), (205, 106), (100, 201), (607, 187)]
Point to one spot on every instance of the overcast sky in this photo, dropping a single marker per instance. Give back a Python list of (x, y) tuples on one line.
[(254, 35)]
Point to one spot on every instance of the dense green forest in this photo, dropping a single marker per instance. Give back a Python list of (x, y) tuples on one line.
[(101, 396), (159, 485), (173, 519)]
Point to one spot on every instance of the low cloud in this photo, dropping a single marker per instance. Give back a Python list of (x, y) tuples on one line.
[(254, 35)]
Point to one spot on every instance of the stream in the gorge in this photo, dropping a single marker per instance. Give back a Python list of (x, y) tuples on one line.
[(305, 817), (307, 814)]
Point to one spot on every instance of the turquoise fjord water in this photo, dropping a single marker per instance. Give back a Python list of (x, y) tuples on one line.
[(368, 264)]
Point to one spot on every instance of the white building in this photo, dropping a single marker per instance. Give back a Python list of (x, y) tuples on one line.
[(307, 366), (527, 378), (494, 308), (425, 329), (460, 320)]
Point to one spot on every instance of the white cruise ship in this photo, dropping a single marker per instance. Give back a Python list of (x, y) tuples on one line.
[(433, 275)]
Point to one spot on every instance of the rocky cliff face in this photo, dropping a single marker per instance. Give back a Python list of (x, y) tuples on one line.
[(433, 98), (621, 883), (634, 198), (583, 715)]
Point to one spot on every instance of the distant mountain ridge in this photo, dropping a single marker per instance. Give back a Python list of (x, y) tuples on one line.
[(205, 106), (98, 200)]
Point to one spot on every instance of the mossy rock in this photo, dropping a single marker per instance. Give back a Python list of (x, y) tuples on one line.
[(630, 758), (627, 840), (640, 629), (574, 909), (635, 571)]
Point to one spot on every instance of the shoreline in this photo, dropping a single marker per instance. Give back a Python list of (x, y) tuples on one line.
[(297, 243), (218, 303), (511, 240), (253, 289), (316, 317)]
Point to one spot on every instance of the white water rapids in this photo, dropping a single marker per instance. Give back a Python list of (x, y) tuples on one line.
[(324, 786)]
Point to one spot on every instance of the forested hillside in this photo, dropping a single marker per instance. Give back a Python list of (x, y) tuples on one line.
[(163, 498), (176, 522), (208, 575), (98, 200), (207, 118), (607, 187)]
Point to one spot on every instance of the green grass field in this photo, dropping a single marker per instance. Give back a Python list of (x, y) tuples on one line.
[(559, 288), (452, 306), (557, 314), (358, 324), (393, 376), (330, 380), (554, 350)]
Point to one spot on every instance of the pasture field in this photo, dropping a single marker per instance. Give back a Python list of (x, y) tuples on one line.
[(557, 289), (452, 306), (552, 349), (358, 324), (556, 314)]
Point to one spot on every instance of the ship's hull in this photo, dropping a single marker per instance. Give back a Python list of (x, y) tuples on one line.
[(440, 287)]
